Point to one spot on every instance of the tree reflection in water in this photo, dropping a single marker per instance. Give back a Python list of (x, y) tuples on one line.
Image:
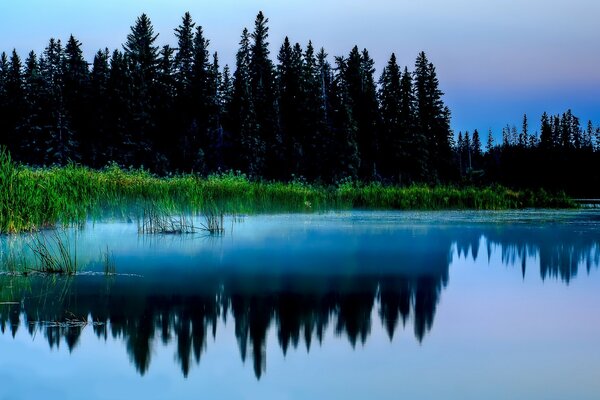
[(300, 307)]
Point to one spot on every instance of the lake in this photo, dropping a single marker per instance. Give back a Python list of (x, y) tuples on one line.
[(341, 305)]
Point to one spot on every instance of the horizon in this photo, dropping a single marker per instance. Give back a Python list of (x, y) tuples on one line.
[(483, 92)]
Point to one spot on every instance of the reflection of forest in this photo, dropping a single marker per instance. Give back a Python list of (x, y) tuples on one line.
[(300, 307), (560, 251), (300, 314)]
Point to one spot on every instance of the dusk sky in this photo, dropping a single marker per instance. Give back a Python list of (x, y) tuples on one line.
[(496, 59)]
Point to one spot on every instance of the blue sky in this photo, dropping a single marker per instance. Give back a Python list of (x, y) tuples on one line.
[(496, 59)]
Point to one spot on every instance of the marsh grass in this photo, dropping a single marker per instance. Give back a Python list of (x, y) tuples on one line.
[(34, 199), (53, 254)]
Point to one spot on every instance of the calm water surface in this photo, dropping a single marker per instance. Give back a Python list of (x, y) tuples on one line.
[(354, 305)]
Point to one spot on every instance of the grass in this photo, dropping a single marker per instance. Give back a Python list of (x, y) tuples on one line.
[(53, 254), (33, 199)]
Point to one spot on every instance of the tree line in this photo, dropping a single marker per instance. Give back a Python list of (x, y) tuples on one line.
[(562, 155), (175, 109)]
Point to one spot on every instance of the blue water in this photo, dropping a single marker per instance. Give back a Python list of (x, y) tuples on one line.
[(351, 305)]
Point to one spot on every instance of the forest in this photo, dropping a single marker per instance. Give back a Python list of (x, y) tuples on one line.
[(172, 110)]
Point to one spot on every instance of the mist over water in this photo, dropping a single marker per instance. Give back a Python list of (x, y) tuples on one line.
[(384, 302)]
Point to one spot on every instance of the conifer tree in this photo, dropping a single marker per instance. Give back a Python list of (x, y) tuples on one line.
[(262, 73), (476, 145), (4, 131), (248, 148), (314, 122), (490, 142), (76, 82), (433, 119), (203, 98), (362, 95), (57, 133), (142, 56), (390, 99), (344, 128), (99, 128), (291, 108), (29, 128), (546, 139)]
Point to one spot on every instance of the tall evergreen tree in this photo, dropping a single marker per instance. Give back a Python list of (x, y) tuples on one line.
[(343, 126), (142, 56), (433, 119), (96, 142), (315, 78), (76, 96), (490, 142), (57, 132), (29, 128), (546, 139), (248, 148), (262, 82), (390, 95), (362, 97), (291, 108)]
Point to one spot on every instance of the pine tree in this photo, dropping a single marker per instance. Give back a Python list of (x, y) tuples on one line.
[(99, 129), (291, 104), (476, 145), (165, 110), (248, 148), (76, 80), (121, 145), (433, 119), (184, 58), (143, 57), (313, 115), (57, 132), (524, 136), (15, 106), (390, 97), (203, 98), (362, 96), (262, 73), (5, 133), (546, 139), (490, 142), (343, 126), (30, 127)]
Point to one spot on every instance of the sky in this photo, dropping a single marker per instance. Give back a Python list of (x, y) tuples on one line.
[(496, 59)]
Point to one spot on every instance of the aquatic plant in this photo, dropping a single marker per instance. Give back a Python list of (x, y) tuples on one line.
[(53, 254), (32, 199)]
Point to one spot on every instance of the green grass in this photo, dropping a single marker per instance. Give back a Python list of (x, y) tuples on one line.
[(33, 199)]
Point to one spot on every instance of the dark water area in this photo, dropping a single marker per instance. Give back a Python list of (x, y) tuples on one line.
[(350, 305)]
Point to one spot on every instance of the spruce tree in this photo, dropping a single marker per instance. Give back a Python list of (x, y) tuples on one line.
[(76, 80), (357, 75), (99, 128), (291, 99), (248, 148), (202, 97), (142, 56), (262, 73), (390, 95), (315, 85), (490, 142), (546, 139), (30, 127)]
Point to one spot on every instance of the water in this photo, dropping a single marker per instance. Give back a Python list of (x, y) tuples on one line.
[(352, 305)]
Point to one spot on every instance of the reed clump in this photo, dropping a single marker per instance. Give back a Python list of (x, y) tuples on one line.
[(33, 199)]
